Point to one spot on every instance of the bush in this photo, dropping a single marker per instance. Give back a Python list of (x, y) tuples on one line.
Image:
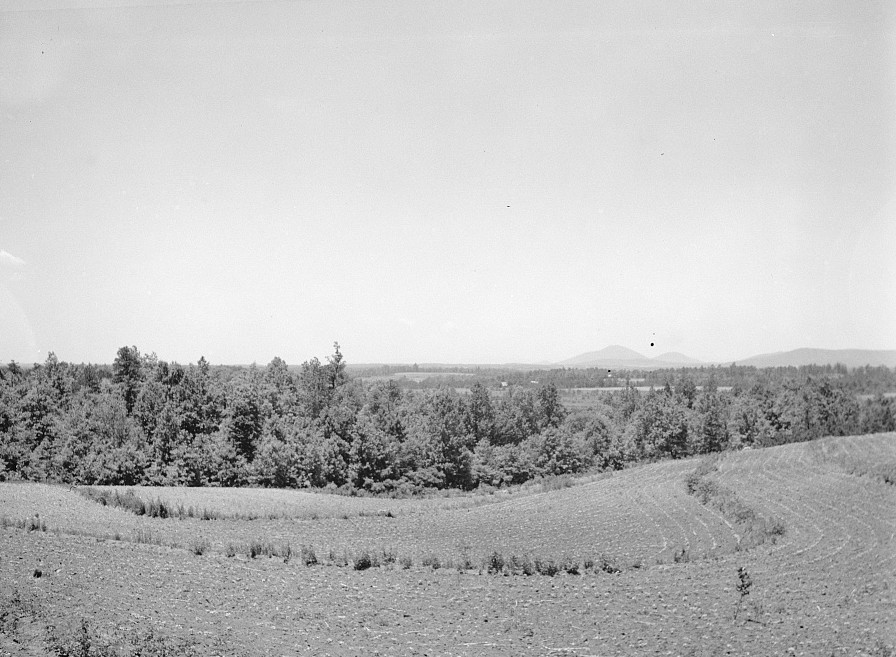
[(147, 537), (546, 567), (200, 547), (681, 556), (432, 561), (521, 565), (608, 566), (494, 564), (362, 561), (309, 558), (35, 524), (406, 562), (755, 530), (570, 566), (257, 548)]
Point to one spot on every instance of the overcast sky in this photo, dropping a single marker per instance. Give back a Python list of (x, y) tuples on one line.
[(470, 182)]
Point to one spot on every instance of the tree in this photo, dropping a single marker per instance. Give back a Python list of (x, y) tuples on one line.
[(550, 409), (711, 424), (335, 369), (661, 427), (480, 413), (516, 417), (313, 391), (247, 411), (127, 372), (438, 443)]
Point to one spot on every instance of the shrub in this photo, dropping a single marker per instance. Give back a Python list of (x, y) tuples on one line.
[(406, 562), (432, 561), (570, 566), (744, 583), (389, 556), (608, 566), (522, 565), (230, 550), (754, 529), (147, 537), (35, 524), (495, 563), (464, 562), (309, 558), (209, 514), (257, 548), (157, 509), (200, 547), (363, 561), (681, 556), (13, 609), (546, 567)]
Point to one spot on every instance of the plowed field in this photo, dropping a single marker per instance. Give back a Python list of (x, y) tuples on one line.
[(826, 587)]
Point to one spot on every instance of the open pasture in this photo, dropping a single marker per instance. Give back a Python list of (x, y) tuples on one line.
[(825, 587)]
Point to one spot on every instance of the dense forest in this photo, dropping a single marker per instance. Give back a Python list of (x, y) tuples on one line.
[(147, 421)]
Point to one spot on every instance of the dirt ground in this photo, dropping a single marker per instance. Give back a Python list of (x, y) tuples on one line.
[(827, 588)]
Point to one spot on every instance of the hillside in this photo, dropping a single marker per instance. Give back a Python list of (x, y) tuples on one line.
[(676, 358), (820, 585), (619, 357), (800, 357)]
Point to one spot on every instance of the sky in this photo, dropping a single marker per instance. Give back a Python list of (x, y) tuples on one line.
[(454, 182)]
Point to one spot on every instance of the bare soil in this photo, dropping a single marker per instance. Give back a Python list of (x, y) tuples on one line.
[(825, 588)]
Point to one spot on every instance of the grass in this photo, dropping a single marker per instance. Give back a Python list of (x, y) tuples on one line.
[(153, 508), (31, 524), (754, 529), (81, 637)]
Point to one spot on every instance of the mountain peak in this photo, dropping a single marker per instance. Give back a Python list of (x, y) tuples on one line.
[(613, 352), (676, 357)]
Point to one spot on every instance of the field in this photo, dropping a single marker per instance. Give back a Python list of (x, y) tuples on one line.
[(644, 566)]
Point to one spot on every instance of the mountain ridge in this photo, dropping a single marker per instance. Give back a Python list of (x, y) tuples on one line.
[(619, 357)]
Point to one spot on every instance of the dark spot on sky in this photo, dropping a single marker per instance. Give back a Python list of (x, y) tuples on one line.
[(651, 344)]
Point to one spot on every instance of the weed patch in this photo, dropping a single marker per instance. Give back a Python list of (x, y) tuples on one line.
[(754, 529), (307, 555)]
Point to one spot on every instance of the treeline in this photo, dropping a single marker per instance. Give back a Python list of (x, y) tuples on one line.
[(861, 380), (147, 421)]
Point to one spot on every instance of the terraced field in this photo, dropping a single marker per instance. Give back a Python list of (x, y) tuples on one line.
[(826, 586)]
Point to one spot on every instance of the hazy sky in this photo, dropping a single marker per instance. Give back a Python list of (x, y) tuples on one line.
[(445, 181)]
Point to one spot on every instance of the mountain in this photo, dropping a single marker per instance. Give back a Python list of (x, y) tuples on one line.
[(677, 358), (612, 357), (617, 357), (848, 357)]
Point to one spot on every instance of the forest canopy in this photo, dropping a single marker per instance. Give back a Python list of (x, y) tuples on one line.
[(147, 421)]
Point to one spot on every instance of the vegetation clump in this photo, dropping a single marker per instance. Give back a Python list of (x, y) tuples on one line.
[(144, 421), (754, 529)]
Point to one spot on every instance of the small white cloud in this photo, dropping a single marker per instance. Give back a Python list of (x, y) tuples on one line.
[(9, 261)]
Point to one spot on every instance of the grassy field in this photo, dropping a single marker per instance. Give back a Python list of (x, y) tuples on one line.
[(787, 550)]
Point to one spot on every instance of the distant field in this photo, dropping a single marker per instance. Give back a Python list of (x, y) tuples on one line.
[(827, 585), (415, 376)]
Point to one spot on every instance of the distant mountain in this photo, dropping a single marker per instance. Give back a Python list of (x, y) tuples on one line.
[(617, 357), (848, 357), (612, 354), (677, 358)]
